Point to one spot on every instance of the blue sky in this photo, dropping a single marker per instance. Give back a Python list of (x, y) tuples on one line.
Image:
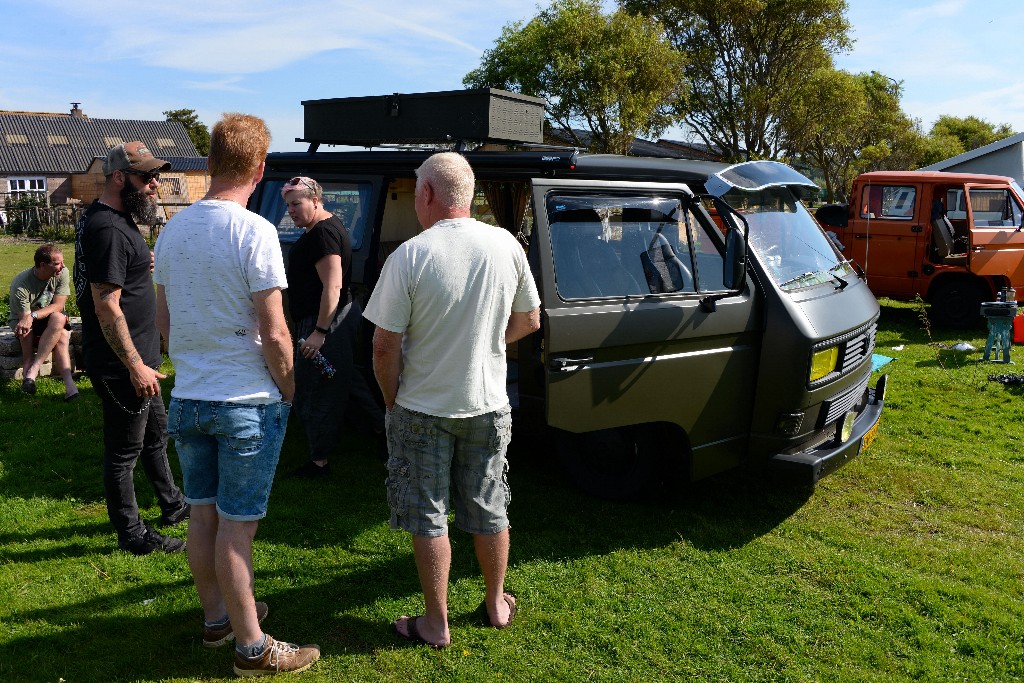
[(135, 60)]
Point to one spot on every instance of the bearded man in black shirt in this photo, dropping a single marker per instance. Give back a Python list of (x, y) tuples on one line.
[(114, 286)]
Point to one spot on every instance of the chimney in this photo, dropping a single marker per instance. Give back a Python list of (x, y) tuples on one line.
[(75, 111)]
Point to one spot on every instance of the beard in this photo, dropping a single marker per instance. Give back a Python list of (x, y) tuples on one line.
[(139, 205)]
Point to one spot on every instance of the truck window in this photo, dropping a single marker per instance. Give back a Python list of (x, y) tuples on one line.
[(888, 201), (994, 208), (628, 246), (347, 201), (955, 209)]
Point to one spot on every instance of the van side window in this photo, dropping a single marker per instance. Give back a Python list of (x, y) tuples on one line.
[(893, 202), (626, 246), (994, 208), (348, 201)]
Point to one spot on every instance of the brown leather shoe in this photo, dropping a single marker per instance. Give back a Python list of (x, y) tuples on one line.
[(278, 657)]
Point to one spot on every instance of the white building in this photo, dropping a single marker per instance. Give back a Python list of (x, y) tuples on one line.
[(1003, 157)]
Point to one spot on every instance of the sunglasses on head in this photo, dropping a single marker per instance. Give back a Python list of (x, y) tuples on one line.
[(299, 180), (147, 176)]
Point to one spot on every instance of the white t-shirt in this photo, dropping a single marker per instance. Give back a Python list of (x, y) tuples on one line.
[(210, 258), (450, 290)]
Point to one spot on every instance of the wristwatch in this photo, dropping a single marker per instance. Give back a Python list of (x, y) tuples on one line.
[(321, 330), (35, 316)]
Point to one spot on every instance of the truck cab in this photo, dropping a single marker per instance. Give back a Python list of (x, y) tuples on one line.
[(694, 317), (953, 238)]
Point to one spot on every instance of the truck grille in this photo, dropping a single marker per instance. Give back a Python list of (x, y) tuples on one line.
[(857, 349), (854, 348), (836, 407)]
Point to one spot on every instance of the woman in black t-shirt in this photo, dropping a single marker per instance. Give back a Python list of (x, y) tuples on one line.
[(326, 321)]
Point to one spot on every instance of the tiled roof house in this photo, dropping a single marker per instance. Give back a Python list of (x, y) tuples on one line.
[(61, 155)]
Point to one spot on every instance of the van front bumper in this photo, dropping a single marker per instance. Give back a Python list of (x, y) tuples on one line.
[(811, 465)]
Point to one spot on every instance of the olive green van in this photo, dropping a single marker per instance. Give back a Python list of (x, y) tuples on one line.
[(694, 315)]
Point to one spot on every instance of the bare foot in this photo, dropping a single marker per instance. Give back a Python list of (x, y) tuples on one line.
[(502, 616)]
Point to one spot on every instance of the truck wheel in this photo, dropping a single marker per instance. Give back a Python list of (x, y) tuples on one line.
[(616, 464), (957, 304)]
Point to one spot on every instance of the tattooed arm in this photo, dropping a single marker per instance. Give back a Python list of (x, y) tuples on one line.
[(107, 300)]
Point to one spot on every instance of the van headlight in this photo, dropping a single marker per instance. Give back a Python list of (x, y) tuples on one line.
[(823, 362)]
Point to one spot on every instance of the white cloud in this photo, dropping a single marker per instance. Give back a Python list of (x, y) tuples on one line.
[(227, 38), (220, 85)]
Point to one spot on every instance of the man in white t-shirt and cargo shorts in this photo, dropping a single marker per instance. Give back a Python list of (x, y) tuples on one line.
[(447, 303)]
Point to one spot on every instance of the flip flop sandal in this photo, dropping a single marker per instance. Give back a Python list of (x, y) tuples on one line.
[(414, 634)]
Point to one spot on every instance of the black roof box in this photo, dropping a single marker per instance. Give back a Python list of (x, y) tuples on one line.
[(482, 115)]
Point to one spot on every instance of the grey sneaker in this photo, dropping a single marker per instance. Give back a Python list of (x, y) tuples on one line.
[(221, 635), (277, 657)]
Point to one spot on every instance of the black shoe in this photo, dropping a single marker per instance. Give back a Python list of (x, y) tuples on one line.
[(152, 540), (176, 517), (29, 386), (311, 471)]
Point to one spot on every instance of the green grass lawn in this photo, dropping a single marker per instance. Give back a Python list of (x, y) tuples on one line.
[(905, 565)]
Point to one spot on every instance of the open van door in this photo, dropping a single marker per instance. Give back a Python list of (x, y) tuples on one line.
[(994, 215), (628, 348)]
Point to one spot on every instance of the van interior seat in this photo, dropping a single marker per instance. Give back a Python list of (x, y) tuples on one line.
[(647, 246), (943, 237), (663, 269)]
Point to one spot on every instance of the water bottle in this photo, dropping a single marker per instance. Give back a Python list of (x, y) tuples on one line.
[(322, 364)]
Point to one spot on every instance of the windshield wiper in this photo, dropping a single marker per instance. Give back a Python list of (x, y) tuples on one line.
[(835, 276)]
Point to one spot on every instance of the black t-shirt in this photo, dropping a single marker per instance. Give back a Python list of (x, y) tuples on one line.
[(327, 237), (109, 248)]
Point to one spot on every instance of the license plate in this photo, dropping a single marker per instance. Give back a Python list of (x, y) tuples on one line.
[(869, 437)]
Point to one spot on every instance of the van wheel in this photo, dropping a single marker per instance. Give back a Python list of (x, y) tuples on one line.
[(616, 464), (957, 304)]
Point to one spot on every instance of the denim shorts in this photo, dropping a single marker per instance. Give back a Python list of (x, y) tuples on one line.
[(228, 453), (431, 456)]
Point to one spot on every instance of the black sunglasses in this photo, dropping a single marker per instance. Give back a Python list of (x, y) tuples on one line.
[(298, 180), (147, 177)]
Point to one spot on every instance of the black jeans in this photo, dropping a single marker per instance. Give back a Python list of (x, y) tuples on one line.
[(133, 427)]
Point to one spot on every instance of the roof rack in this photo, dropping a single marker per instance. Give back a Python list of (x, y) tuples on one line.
[(457, 117)]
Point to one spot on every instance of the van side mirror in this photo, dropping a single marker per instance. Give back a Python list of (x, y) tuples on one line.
[(735, 265), (734, 268)]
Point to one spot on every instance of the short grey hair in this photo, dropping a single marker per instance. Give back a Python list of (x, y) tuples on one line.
[(451, 178)]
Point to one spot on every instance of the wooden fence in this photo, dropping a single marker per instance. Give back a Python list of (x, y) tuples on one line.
[(57, 223)]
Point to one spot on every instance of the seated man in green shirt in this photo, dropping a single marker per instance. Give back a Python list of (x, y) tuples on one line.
[(38, 319)]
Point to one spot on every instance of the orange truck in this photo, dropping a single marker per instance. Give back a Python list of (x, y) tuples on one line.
[(953, 238)]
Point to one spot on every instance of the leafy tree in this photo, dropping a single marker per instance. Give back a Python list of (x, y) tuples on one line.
[(845, 124), (616, 76), (746, 60), (196, 129), (939, 147), (971, 131), (894, 141)]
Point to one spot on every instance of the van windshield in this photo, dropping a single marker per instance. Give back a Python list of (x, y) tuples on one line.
[(787, 240)]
